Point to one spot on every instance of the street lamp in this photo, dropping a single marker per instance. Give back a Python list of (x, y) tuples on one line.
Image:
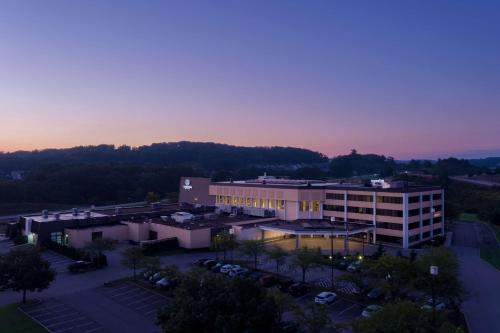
[(331, 257), (434, 271)]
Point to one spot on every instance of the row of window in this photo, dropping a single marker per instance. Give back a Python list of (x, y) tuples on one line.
[(391, 226), (250, 202), (382, 199), (309, 206)]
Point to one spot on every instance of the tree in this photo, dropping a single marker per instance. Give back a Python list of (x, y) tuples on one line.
[(151, 264), (395, 318), (394, 272), (314, 319), (133, 258), (152, 197), (306, 258), (447, 283), (211, 303), (26, 270), (95, 248), (224, 241), (252, 248), (278, 255)]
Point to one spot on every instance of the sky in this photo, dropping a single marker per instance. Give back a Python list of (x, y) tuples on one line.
[(409, 79)]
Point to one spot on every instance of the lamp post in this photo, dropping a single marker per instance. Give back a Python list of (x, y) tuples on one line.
[(434, 271), (331, 257)]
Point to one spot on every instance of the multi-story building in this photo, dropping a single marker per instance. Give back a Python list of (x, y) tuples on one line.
[(399, 213)]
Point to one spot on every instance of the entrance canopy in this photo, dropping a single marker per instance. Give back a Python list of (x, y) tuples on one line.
[(316, 227)]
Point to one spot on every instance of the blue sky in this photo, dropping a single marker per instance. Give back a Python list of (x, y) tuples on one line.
[(402, 78)]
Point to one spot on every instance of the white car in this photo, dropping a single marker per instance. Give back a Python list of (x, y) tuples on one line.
[(227, 268), (354, 266), (370, 310), (237, 272), (428, 305), (325, 297), (164, 282)]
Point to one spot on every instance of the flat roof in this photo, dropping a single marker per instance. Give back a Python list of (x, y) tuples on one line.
[(316, 227), (64, 217), (303, 184), (205, 223)]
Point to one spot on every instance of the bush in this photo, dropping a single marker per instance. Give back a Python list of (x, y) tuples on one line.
[(149, 248), (67, 251), (20, 239)]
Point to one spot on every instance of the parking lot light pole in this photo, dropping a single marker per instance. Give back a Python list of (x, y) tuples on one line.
[(434, 271), (331, 256)]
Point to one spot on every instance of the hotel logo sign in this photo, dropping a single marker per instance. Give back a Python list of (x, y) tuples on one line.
[(187, 184)]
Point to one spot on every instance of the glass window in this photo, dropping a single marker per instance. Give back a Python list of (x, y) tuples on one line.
[(272, 203), (281, 204), (316, 206), (235, 201), (335, 196), (56, 237), (255, 202), (263, 203)]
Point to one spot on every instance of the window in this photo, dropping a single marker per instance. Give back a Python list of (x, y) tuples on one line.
[(263, 203), (304, 206), (413, 238), (335, 196), (390, 200), (389, 239), (357, 197), (255, 202), (414, 212), (316, 205), (414, 199), (249, 202), (241, 201), (272, 204), (235, 200), (226, 200), (413, 225), (426, 210), (96, 235), (56, 237), (426, 197), (437, 208), (281, 204), (391, 226), (426, 222), (389, 212), (360, 210), (426, 234), (334, 208), (436, 196)]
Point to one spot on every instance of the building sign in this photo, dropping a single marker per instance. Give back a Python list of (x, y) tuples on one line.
[(187, 184)]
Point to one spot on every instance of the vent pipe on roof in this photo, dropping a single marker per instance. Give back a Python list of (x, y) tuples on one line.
[(118, 210), (57, 216), (75, 211), (45, 214)]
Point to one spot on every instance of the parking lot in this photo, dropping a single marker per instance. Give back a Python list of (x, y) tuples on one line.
[(341, 310), (57, 261), (58, 317), (141, 300)]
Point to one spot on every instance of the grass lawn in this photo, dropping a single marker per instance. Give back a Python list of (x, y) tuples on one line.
[(492, 256), (468, 217), (12, 320)]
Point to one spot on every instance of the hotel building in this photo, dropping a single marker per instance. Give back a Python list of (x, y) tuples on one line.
[(395, 213)]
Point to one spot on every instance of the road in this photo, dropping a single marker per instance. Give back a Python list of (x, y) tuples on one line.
[(466, 179), (480, 279)]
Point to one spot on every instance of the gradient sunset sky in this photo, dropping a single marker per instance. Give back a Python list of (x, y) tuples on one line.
[(402, 78)]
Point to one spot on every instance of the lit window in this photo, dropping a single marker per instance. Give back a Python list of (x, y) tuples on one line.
[(255, 202), (281, 204), (316, 206), (272, 203), (235, 201), (249, 202)]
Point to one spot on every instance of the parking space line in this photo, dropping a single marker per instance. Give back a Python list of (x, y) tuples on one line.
[(139, 295), (346, 309), (144, 299)]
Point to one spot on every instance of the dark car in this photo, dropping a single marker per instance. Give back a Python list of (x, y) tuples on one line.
[(298, 289), (284, 284), (209, 263), (216, 268), (80, 267), (268, 280), (374, 294), (200, 262)]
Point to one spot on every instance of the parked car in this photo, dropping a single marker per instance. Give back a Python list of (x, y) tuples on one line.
[(255, 276), (209, 263), (374, 294), (199, 262), (80, 266), (298, 289), (163, 282), (268, 280), (238, 272), (227, 268), (354, 266), (370, 310), (156, 277), (284, 284), (325, 297), (342, 264), (440, 305), (216, 268)]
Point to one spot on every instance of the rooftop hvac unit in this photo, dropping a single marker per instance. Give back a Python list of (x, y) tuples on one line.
[(118, 210), (45, 214), (155, 205), (75, 211), (88, 214), (57, 216), (92, 208)]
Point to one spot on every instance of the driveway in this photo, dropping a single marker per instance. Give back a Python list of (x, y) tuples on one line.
[(480, 279)]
